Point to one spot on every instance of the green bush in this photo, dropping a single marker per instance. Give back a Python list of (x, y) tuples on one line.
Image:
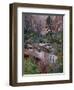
[(30, 67)]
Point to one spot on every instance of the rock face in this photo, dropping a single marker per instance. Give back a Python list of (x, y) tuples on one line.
[(44, 23), (56, 23)]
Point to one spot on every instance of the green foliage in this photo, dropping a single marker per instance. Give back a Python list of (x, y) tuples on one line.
[(30, 67), (60, 62)]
